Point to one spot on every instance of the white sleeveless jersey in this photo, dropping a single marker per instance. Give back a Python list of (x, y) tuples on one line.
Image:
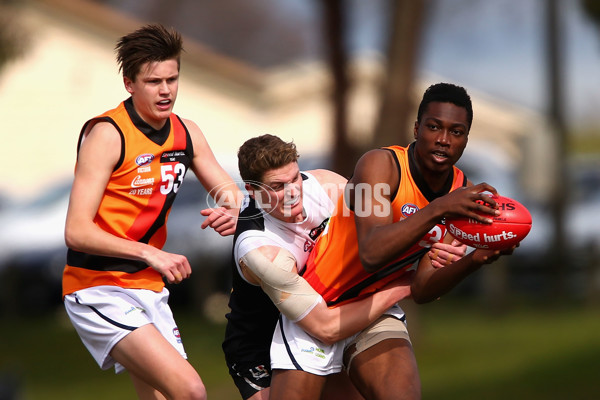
[(298, 238)]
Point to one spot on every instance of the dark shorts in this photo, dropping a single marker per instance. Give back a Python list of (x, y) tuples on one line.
[(250, 380)]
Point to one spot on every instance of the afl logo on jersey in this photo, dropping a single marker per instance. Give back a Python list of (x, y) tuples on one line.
[(409, 209), (144, 159)]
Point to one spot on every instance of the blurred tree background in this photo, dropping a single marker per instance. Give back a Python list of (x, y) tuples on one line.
[(592, 8), (13, 37)]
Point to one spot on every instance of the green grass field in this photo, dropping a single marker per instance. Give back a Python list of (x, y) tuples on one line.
[(463, 351)]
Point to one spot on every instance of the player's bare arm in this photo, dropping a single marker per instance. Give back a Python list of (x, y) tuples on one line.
[(97, 157), (212, 176), (299, 302), (330, 325), (430, 283)]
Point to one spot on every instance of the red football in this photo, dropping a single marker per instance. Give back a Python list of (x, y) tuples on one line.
[(508, 228)]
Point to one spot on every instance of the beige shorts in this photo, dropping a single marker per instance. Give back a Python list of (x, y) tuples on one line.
[(386, 327)]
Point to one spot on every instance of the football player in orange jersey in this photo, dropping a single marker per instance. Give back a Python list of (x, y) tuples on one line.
[(284, 214), (390, 215), (131, 161)]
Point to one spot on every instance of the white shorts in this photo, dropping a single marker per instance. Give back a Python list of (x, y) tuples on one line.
[(293, 348), (103, 315)]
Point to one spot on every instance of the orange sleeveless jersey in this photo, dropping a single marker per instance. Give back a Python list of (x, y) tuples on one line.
[(334, 268), (136, 201)]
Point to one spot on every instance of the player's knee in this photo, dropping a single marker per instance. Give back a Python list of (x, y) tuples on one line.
[(197, 391), (191, 389)]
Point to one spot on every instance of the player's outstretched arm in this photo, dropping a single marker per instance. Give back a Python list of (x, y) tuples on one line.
[(275, 270), (331, 325), (222, 220), (216, 181), (430, 283)]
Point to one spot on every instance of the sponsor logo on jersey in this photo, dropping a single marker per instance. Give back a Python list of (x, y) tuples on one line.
[(409, 209), (177, 334), (141, 170), (144, 159), (316, 232), (173, 156), (138, 181)]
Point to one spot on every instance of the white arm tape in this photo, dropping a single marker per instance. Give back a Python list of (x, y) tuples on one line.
[(290, 293)]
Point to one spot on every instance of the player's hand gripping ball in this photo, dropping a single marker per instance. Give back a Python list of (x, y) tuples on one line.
[(506, 230)]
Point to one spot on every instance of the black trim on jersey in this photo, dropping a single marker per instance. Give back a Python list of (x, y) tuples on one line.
[(393, 196), (287, 346), (382, 273), (104, 317), (189, 148), (103, 263), (94, 121), (250, 219), (415, 172), (304, 177), (161, 219), (158, 136)]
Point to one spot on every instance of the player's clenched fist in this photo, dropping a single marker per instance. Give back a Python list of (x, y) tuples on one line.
[(174, 267)]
